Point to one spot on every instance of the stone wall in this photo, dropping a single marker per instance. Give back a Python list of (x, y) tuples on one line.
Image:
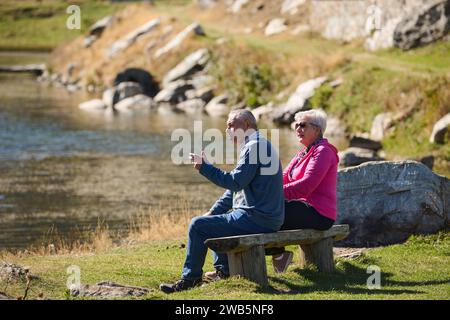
[(374, 20)]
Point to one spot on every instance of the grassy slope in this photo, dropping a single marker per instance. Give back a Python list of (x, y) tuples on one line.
[(419, 269), (33, 25)]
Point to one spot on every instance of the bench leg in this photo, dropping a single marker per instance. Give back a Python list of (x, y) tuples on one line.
[(319, 254), (250, 264)]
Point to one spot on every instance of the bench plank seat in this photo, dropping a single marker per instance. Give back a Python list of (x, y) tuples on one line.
[(276, 239)]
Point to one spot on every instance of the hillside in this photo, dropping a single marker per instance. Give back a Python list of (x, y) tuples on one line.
[(258, 69)]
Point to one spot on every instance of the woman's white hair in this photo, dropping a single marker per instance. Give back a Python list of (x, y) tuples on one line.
[(317, 117)]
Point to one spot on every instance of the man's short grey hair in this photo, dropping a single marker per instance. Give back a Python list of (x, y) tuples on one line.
[(244, 114), (317, 117)]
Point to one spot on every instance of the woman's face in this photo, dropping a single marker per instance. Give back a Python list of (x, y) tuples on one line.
[(306, 132)]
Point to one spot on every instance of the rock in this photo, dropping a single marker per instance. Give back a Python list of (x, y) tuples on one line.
[(193, 106), (148, 84), (44, 77), (291, 6), (190, 65), (150, 46), (380, 124), (336, 83), (8, 270), (222, 40), (36, 69), (217, 107), (423, 26), (364, 143), (335, 129), (130, 38), (240, 105), (298, 101), (195, 28), (428, 161), (257, 8), (275, 26), (136, 103), (440, 130), (263, 112), (355, 156), (89, 40), (4, 296), (206, 4), (205, 94), (91, 88), (238, 5), (108, 97), (13, 272), (167, 109), (382, 38), (302, 28), (125, 90), (73, 88), (108, 289), (66, 76), (94, 105), (174, 92), (97, 28), (348, 253), (200, 81), (386, 202)]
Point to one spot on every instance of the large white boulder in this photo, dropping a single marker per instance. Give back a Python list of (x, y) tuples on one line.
[(386, 202)]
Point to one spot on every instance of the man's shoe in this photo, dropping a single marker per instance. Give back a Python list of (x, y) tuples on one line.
[(281, 262), (180, 285), (215, 275)]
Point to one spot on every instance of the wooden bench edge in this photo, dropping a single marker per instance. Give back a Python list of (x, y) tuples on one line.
[(244, 242)]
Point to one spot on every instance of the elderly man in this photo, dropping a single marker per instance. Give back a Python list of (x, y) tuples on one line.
[(252, 203)]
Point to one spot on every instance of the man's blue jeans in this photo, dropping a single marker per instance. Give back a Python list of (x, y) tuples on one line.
[(214, 226)]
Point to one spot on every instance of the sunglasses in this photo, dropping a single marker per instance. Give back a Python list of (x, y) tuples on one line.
[(302, 125)]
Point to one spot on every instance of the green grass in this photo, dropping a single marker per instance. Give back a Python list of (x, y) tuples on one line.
[(431, 58), (33, 25), (418, 269)]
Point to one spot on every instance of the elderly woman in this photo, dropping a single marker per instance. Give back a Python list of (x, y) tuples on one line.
[(309, 182)]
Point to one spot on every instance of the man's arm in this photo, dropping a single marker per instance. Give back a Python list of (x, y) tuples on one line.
[(235, 180), (223, 205)]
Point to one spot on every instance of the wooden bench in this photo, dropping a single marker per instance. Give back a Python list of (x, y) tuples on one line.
[(246, 254)]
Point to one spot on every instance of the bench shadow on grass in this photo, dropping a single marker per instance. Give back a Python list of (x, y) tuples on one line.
[(348, 278)]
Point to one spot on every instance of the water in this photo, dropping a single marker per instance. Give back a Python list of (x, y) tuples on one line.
[(64, 168)]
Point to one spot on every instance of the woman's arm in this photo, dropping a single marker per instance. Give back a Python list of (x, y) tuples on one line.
[(288, 168)]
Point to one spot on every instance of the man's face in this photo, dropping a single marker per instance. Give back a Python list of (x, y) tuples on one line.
[(236, 129)]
